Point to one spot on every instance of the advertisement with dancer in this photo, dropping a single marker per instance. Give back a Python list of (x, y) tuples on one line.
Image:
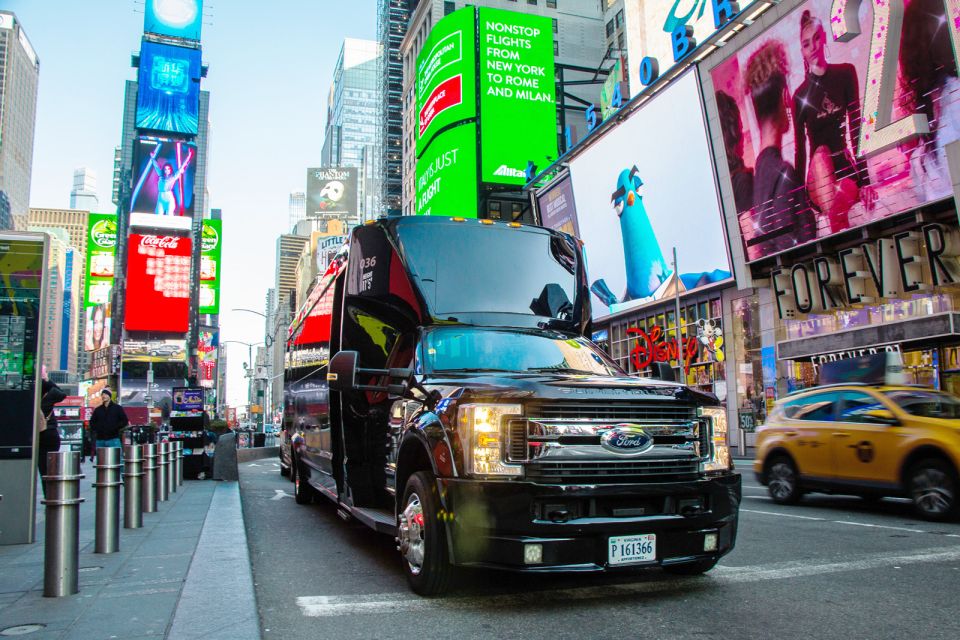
[(164, 174), (803, 149)]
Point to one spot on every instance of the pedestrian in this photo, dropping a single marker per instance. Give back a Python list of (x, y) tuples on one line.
[(107, 421), (49, 439)]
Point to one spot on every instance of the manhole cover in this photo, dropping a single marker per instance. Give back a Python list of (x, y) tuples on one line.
[(21, 629), (89, 568)]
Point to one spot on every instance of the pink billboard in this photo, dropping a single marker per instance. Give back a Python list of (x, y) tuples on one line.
[(811, 151)]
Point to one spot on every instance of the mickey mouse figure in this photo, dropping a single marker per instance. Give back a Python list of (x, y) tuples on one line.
[(711, 337)]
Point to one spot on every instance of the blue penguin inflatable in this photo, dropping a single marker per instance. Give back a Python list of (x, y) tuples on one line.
[(645, 266)]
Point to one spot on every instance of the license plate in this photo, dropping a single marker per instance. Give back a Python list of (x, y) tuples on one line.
[(632, 549)]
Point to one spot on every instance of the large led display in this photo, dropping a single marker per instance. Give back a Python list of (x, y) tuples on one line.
[(211, 245), (447, 174), (332, 192), (164, 174), (518, 121), (168, 94), (97, 334), (101, 254), (176, 18), (446, 76), (635, 203), (158, 283), (803, 109)]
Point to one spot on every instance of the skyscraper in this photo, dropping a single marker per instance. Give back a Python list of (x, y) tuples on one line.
[(19, 76), (392, 18), (83, 195), (351, 131), (297, 208), (60, 323)]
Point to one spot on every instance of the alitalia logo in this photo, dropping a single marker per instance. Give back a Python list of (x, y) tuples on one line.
[(504, 171)]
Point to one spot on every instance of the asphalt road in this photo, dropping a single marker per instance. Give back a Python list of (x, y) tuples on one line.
[(832, 567)]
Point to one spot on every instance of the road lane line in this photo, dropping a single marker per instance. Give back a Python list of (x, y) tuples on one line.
[(330, 606), (855, 524), (785, 515)]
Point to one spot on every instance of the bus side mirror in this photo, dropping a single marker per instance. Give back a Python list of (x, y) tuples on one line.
[(342, 371)]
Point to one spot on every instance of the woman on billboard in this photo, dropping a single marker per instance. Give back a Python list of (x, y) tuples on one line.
[(826, 112), (167, 180), (780, 207)]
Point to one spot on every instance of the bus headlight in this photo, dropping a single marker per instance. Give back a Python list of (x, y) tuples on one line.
[(483, 437), (719, 451)]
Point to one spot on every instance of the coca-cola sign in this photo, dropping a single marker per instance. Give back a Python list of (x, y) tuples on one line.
[(160, 242)]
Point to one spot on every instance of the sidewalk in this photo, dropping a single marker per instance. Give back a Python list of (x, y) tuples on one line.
[(185, 574)]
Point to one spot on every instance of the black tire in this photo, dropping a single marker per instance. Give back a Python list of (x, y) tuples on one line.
[(783, 481), (423, 537), (302, 491), (284, 471), (691, 568), (932, 485)]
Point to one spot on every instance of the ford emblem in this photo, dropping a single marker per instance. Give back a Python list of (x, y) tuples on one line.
[(626, 438)]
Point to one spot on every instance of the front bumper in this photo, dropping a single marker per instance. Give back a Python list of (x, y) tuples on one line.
[(489, 522)]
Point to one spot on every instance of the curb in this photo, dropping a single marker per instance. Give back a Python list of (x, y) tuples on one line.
[(222, 558)]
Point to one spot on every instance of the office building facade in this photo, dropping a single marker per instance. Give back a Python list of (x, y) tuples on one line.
[(297, 208), (83, 195), (392, 19)]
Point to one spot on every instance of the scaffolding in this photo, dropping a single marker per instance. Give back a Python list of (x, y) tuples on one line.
[(392, 19)]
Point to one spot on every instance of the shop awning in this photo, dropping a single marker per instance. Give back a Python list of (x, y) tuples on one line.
[(934, 329)]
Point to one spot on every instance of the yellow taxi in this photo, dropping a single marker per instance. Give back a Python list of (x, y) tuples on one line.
[(864, 439)]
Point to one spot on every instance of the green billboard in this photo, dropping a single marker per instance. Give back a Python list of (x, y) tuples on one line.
[(101, 258), (518, 110), (211, 241), (446, 76), (447, 174)]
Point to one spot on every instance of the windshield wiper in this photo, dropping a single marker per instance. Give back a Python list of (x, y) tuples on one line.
[(475, 370), (564, 370)]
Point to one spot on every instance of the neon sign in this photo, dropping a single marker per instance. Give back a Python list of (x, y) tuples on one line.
[(656, 347)]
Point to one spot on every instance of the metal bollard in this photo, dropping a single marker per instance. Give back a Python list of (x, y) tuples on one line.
[(62, 543), (132, 475), (163, 468), (178, 474), (171, 468), (148, 489), (107, 534)]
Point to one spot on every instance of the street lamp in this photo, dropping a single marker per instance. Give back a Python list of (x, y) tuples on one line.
[(249, 366)]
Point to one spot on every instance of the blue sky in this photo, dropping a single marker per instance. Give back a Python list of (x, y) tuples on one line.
[(271, 65)]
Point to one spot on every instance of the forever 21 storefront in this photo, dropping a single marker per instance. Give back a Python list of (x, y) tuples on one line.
[(847, 223)]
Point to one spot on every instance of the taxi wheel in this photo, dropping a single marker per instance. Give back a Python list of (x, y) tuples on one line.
[(933, 488), (783, 482)]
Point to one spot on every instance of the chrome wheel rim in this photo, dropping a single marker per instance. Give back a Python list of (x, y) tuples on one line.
[(782, 482), (412, 542), (932, 491)]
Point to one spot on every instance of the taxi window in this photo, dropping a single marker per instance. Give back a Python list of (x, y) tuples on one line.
[(856, 404), (818, 407)]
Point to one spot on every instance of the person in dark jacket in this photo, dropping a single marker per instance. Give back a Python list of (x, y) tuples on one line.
[(107, 421), (49, 439)]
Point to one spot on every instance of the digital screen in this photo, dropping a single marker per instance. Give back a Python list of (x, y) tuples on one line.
[(446, 177), (446, 76), (210, 250), (635, 203), (101, 256), (97, 332), (21, 287), (164, 172), (168, 92), (517, 95), (187, 399), (176, 18), (805, 157), (208, 342), (154, 350), (332, 192), (158, 283)]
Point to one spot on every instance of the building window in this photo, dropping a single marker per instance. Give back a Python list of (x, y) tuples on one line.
[(620, 41), (610, 29), (493, 210), (556, 48), (531, 1), (448, 8), (551, 4), (556, 26), (619, 18)]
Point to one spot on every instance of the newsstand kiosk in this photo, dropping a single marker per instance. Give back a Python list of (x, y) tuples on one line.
[(187, 426)]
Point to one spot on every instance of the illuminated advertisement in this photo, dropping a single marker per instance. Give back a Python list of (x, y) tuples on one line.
[(101, 255), (164, 172), (211, 242), (332, 192), (635, 203), (446, 176), (158, 283), (187, 400), (154, 350), (517, 95), (97, 332), (446, 76), (824, 130), (208, 342), (556, 207), (175, 18), (168, 92)]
